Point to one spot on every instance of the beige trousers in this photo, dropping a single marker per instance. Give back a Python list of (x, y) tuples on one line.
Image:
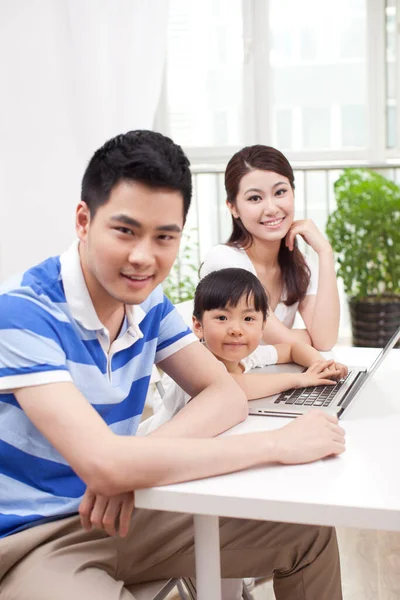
[(60, 561)]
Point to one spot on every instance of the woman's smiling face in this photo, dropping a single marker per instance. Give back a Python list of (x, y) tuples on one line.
[(265, 205)]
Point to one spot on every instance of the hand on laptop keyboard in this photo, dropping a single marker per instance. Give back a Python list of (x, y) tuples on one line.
[(316, 394), (341, 371), (322, 372)]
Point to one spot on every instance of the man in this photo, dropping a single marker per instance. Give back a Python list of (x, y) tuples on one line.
[(78, 337)]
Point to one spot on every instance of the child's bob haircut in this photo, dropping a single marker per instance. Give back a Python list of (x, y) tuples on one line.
[(226, 287)]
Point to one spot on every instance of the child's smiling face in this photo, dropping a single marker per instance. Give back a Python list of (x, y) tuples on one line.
[(231, 333)]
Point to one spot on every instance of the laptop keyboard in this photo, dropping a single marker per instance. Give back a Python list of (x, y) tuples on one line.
[(320, 395)]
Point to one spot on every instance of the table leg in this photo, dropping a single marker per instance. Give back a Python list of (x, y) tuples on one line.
[(207, 556)]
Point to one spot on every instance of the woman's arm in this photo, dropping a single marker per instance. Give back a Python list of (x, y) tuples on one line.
[(305, 355), (276, 332), (321, 312), (299, 352)]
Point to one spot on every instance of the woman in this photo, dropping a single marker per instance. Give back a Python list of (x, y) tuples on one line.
[(259, 183)]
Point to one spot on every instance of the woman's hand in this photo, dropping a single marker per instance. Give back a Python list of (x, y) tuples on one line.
[(310, 233), (113, 514)]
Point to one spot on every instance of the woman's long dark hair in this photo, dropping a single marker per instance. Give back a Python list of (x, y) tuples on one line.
[(295, 271)]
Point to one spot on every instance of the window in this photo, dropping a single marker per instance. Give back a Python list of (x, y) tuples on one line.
[(308, 77), (204, 74), (321, 71), (391, 73)]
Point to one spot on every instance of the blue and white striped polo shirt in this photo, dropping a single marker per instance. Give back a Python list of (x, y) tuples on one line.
[(50, 332)]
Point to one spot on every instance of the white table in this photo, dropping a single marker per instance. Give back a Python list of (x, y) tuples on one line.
[(361, 488)]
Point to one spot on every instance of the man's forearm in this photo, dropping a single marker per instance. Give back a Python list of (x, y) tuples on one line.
[(149, 461), (110, 464), (136, 463), (211, 412)]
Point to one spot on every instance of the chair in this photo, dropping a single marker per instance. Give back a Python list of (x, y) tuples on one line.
[(158, 590), (185, 309)]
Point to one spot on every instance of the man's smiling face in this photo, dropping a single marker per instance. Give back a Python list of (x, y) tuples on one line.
[(129, 246)]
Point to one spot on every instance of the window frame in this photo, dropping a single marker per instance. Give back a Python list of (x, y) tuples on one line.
[(257, 109)]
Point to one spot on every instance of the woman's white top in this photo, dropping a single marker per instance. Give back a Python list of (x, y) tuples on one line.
[(175, 398), (224, 257)]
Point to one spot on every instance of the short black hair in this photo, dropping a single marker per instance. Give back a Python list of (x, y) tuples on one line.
[(226, 287), (144, 156)]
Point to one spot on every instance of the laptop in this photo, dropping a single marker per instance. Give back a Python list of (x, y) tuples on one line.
[(331, 399)]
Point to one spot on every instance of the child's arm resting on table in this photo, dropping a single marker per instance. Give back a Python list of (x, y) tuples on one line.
[(319, 372), (306, 355)]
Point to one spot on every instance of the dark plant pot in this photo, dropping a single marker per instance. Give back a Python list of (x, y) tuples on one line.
[(374, 320)]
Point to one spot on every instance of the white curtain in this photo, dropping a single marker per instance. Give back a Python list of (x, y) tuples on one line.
[(73, 74)]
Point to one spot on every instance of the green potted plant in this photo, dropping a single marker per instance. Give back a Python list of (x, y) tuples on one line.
[(181, 283), (364, 231)]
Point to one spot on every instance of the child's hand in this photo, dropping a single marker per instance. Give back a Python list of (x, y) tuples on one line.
[(342, 370), (320, 372), (337, 371)]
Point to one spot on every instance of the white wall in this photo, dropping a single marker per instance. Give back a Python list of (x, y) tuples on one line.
[(39, 162), (73, 73)]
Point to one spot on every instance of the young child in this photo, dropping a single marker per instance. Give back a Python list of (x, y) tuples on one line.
[(229, 317)]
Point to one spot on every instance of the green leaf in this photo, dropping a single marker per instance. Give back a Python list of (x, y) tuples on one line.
[(181, 283), (364, 231)]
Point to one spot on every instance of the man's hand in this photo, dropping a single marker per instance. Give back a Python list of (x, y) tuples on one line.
[(308, 438), (113, 514), (322, 372)]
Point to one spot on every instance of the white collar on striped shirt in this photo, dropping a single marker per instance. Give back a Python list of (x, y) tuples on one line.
[(78, 297)]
